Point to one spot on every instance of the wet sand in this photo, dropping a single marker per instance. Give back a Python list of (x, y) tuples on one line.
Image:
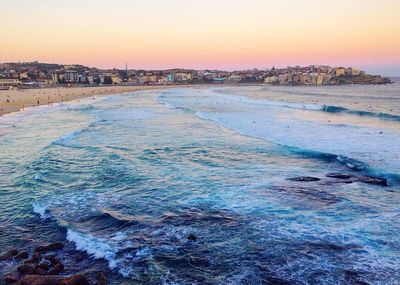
[(16, 100)]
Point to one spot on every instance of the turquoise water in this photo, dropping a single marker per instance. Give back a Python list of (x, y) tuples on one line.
[(128, 178)]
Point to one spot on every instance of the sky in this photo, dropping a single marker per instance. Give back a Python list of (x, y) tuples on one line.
[(203, 34)]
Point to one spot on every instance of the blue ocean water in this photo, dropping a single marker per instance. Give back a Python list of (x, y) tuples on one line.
[(189, 186)]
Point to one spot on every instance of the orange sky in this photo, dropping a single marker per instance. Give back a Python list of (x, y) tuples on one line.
[(224, 34)]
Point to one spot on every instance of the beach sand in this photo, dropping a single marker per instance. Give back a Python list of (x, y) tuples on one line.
[(16, 100)]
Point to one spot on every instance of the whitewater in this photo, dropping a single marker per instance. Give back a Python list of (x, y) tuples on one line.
[(201, 185)]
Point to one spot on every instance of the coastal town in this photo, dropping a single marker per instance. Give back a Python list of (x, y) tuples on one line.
[(35, 74)]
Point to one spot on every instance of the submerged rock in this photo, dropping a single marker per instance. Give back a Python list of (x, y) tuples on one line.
[(78, 279), (373, 180), (57, 269), (26, 269), (44, 266), (36, 257), (54, 280), (339, 175), (304, 179), (22, 255), (192, 237), (50, 247), (101, 279), (10, 278), (42, 280), (8, 255), (52, 259)]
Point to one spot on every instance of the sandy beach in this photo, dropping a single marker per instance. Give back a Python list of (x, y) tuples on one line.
[(15, 100)]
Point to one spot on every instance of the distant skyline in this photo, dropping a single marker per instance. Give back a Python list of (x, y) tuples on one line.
[(215, 34)]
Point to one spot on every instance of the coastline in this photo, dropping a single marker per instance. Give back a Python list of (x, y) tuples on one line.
[(17, 100)]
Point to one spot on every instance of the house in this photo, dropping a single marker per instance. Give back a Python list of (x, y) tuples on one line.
[(271, 80), (340, 71), (183, 76), (23, 75), (116, 79), (233, 79)]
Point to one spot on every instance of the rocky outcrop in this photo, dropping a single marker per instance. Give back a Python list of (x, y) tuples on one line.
[(10, 278), (78, 279), (22, 255), (339, 175), (50, 247), (9, 255), (373, 180), (42, 269), (42, 280), (303, 179), (192, 237)]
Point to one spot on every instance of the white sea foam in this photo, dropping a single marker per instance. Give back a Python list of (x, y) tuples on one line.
[(282, 123), (95, 246), (40, 210)]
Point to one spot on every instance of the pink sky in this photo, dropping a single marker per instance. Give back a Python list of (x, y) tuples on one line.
[(223, 34)]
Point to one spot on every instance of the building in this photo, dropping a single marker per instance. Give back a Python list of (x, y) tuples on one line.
[(23, 75), (116, 79), (183, 76), (340, 71), (355, 71), (170, 78), (90, 79), (233, 79), (55, 78), (9, 82), (271, 80), (320, 78), (71, 77)]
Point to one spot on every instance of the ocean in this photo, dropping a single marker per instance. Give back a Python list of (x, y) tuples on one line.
[(199, 185)]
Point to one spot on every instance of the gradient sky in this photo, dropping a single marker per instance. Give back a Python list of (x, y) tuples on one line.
[(223, 34)]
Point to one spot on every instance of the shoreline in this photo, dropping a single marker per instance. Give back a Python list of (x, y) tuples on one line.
[(12, 101)]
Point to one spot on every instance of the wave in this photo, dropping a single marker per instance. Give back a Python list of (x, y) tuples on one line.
[(67, 138), (337, 109), (351, 163), (40, 210), (94, 246), (97, 247)]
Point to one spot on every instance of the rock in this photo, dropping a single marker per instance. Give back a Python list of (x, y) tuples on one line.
[(54, 280), (30, 261), (22, 255), (52, 259), (44, 266), (101, 279), (192, 237), (373, 180), (57, 269), (36, 257), (26, 269), (8, 255), (339, 175), (39, 271), (42, 280), (304, 179), (10, 278), (78, 279), (50, 247)]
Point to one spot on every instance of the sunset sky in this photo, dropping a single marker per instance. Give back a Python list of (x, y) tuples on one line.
[(220, 34)]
